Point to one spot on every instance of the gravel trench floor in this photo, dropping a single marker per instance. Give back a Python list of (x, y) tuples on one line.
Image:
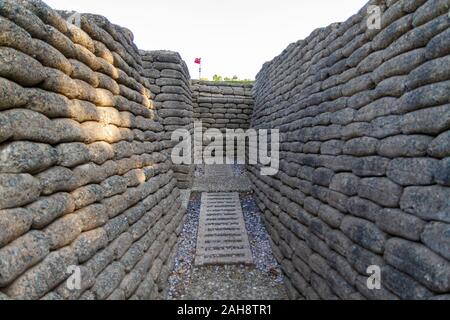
[(263, 281)]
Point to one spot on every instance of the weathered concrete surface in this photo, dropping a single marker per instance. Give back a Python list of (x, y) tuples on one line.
[(222, 237), (221, 178)]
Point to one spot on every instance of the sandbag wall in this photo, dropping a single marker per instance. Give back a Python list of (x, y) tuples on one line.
[(364, 119), (84, 184), (222, 105), (170, 82)]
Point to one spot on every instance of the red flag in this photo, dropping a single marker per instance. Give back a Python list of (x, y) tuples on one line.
[(198, 60)]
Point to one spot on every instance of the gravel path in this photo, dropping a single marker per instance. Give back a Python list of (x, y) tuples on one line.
[(263, 281), (181, 275), (233, 282), (236, 182), (238, 170), (259, 239)]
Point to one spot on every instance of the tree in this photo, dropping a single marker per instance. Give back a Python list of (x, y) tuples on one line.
[(217, 77)]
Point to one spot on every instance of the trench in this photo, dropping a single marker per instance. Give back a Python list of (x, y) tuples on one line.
[(89, 181)]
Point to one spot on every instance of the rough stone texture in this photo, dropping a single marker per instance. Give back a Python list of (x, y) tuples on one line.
[(169, 80), (222, 237), (364, 171), (84, 177), (437, 237), (220, 178), (221, 106)]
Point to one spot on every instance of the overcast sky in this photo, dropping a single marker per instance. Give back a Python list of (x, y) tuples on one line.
[(233, 37)]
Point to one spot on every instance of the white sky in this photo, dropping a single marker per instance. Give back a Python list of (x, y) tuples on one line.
[(233, 37)]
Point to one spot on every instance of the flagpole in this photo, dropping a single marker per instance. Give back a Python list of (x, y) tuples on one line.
[(199, 62)]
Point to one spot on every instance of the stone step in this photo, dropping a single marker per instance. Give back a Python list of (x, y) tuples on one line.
[(222, 237)]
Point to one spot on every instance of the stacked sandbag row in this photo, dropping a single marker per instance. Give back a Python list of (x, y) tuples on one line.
[(221, 105), (364, 180), (84, 187), (170, 82)]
